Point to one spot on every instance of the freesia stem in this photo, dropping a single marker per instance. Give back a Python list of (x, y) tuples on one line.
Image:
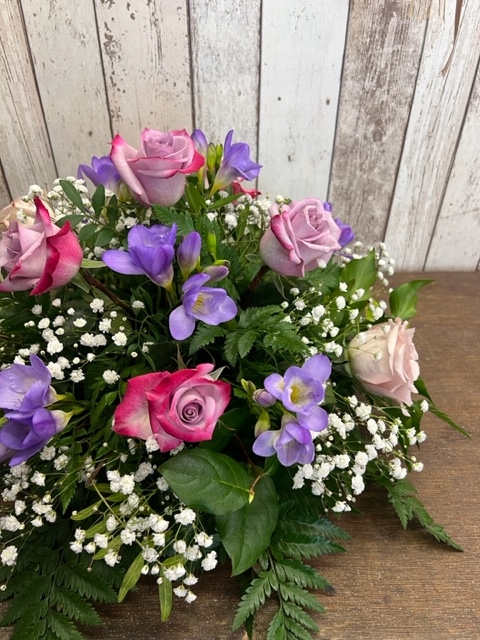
[(99, 285), (254, 283)]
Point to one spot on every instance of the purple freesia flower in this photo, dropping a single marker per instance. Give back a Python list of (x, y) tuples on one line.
[(24, 392), (235, 163), (188, 253), (208, 304), (102, 171), (24, 388), (301, 388), (150, 252), (347, 234), (293, 443), (20, 439)]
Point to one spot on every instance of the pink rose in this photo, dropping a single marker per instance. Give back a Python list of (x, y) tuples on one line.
[(172, 407), (39, 255), (155, 174), (384, 359), (302, 236)]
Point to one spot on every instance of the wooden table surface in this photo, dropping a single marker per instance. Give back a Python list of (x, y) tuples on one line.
[(391, 584)]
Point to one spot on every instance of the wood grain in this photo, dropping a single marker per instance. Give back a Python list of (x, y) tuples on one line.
[(382, 55), (225, 47), (146, 59), (301, 65), (391, 584), (69, 74), (434, 128), (456, 237), (25, 151)]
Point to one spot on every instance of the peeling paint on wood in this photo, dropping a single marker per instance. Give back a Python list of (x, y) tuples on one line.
[(381, 62), (302, 54), (434, 127), (63, 43), (456, 239), (25, 151), (225, 66), (146, 59)]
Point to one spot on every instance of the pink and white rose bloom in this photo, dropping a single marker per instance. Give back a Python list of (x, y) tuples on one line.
[(39, 255), (183, 406), (301, 237), (384, 359), (155, 173)]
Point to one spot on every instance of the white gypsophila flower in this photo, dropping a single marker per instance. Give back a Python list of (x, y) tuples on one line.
[(358, 485), (101, 540), (37, 309), (185, 516), (91, 547), (38, 478), (162, 484), (110, 377), (175, 572), (77, 376), (126, 484), (37, 522), (421, 437), (299, 305), (159, 539), (111, 523), (417, 466), (112, 558), (363, 411), (61, 462), (11, 523), (105, 325), (340, 302), (47, 453), (342, 461), (180, 546), (79, 323), (56, 370), (190, 580), (149, 554), (424, 406), (143, 471), (9, 556), (76, 546), (54, 346), (127, 536), (19, 507), (180, 591), (119, 338), (341, 506), (210, 561), (97, 305), (138, 304), (59, 321), (19, 360), (371, 451), (158, 524), (192, 553), (44, 323)]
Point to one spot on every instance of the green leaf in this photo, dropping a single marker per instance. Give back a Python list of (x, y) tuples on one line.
[(362, 272), (75, 606), (104, 236), (98, 198), (92, 264), (72, 194), (254, 597), (87, 232), (87, 512), (74, 219), (193, 197), (403, 299), (204, 335), (131, 577), (165, 591), (246, 533), (207, 481), (246, 342), (422, 389)]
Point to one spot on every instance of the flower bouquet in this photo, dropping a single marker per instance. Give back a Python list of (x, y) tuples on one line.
[(192, 374)]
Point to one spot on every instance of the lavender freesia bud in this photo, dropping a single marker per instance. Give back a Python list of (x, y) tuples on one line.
[(188, 253), (264, 398), (347, 234), (102, 171), (262, 424), (216, 272)]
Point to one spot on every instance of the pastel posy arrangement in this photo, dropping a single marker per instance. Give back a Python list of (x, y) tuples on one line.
[(192, 373)]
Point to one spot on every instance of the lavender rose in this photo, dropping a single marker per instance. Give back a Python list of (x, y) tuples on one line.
[(301, 237), (183, 406), (384, 359), (155, 173)]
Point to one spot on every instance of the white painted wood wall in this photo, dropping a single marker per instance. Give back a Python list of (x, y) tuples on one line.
[(338, 99)]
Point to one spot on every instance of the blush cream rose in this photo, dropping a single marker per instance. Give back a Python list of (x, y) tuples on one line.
[(301, 237), (39, 255), (172, 407), (155, 173), (384, 359)]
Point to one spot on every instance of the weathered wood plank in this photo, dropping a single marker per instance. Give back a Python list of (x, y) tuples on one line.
[(66, 57), (147, 68), (456, 240), (434, 126), (381, 62), (225, 64), (301, 64), (5, 195), (25, 151)]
